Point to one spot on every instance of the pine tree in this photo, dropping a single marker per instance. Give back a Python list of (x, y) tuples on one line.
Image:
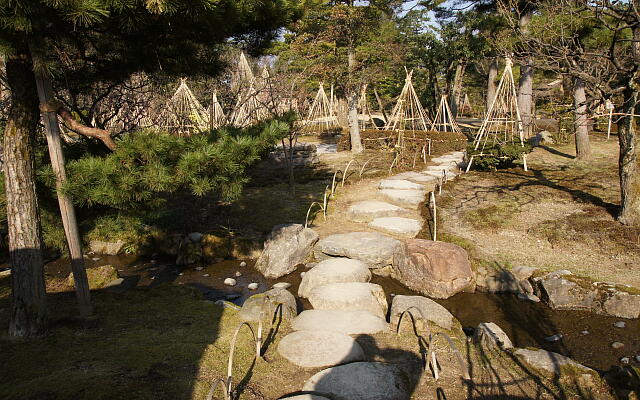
[(97, 41)]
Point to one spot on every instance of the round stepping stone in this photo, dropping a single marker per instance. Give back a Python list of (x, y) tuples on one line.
[(373, 248), (347, 322), (361, 381), (397, 225), (350, 296), (401, 184), (416, 177), (404, 198), (332, 271), (313, 349), (420, 307), (364, 211)]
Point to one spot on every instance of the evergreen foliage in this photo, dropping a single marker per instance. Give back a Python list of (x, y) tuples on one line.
[(497, 156)]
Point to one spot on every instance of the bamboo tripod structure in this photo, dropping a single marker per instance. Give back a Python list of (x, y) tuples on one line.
[(183, 114), (321, 116), (444, 121)]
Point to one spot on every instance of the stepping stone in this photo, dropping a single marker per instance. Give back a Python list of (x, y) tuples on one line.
[(397, 225), (438, 173), (447, 159), (405, 198), (333, 271), (364, 211), (347, 322), (402, 184), (351, 296), (361, 381), (416, 177), (313, 349), (448, 168), (304, 397), (373, 248)]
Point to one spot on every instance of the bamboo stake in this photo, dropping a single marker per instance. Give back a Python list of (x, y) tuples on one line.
[(67, 211), (433, 204)]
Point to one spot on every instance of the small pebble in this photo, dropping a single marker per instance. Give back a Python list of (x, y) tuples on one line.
[(238, 274), (638, 358), (554, 338), (153, 261), (243, 264), (625, 360), (282, 285), (617, 345), (302, 273), (230, 282), (180, 274), (392, 295), (206, 275), (585, 332), (96, 258), (620, 324), (153, 277), (199, 268), (252, 286)]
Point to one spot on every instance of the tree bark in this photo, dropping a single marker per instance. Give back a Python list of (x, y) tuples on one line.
[(491, 81), (583, 150), (28, 301), (629, 141), (525, 83), (354, 128), (457, 86), (67, 211)]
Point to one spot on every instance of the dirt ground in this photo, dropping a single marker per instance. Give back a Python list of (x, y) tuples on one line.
[(559, 215)]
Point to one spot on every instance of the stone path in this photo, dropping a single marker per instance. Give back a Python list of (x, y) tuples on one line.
[(344, 301)]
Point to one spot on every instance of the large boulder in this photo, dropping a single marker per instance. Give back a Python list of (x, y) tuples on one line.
[(372, 248), (622, 304), (492, 279), (334, 270), (435, 269), (361, 381), (108, 248), (348, 322), (421, 308), (273, 300), (287, 246), (350, 297), (561, 293), (313, 349)]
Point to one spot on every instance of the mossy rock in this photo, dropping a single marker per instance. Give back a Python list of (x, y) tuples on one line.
[(98, 277)]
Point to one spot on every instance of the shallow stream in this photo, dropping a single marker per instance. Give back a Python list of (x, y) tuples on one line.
[(586, 337)]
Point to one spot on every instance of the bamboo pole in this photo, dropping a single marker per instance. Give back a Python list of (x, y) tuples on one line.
[(67, 211), (435, 222)]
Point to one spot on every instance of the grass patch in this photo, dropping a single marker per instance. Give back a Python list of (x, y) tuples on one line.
[(492, 217)]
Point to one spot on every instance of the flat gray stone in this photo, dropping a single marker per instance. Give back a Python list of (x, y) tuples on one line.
[(407, 227), (400, 184), (426, 180), (365, 211), (548, 360), (405, 198), (286, 246), (350, 296), (490, 335), (421, 308), (347, 322), (334, 270), (373, 248), (361, 381), (313, 349)]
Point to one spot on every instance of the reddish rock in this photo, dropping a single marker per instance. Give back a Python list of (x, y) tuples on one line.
[(435, 269)]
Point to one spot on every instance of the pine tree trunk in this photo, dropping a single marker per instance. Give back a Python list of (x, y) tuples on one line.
[(28, 306), (525, 84), (629, 142), (457, 86), (583, 150), (491, 81), (67, 211), (354, 128)]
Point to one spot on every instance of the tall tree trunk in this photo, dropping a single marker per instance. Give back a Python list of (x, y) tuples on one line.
[(354, 128), (491, 82), (457, 86), (629, 142), (583, 150), (67, 211), (525, 84), (28, 302)]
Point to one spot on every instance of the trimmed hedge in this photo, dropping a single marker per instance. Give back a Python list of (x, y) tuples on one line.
[(441, 142)]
